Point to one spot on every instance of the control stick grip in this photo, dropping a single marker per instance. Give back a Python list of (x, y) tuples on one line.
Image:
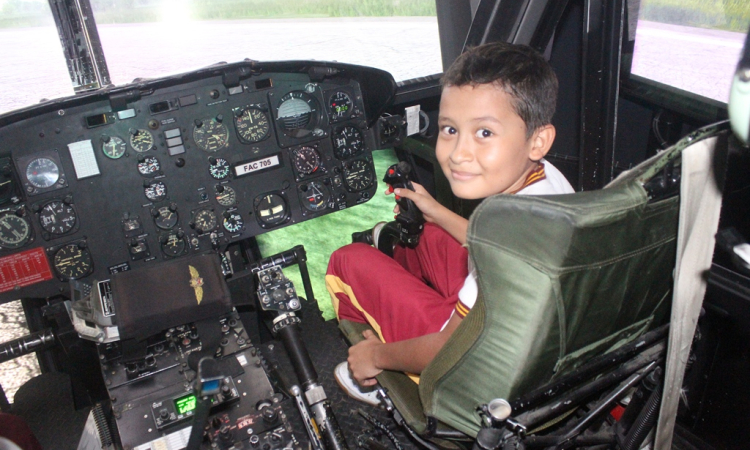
[(410, 218)]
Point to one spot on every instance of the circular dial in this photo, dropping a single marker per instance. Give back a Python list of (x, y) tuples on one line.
[(218, 168), (210, 134), (347, 142), (225, 195), (42, 173), (15, 231), (165, 218), (252, 124), (57, 217), (204, 221), (156, 191), (297, 114), (272, 210), (306, 160), (141, 140), (341, 105), (358, 175), (314, 195), (73, 261), (149, 166), (172, 245), (233, 222), (113, 147)]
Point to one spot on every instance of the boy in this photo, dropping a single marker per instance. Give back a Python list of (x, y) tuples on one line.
[(494, 130)]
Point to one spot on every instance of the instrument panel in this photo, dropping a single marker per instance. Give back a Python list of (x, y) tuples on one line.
[(133, 176)]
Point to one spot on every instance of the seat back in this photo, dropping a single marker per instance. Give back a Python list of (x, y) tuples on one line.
[(561, 279)]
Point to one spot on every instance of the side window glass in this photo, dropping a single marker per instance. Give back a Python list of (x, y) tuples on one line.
[(692, 45)]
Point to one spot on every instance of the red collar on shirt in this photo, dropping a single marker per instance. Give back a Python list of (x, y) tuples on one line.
[(534, 176)]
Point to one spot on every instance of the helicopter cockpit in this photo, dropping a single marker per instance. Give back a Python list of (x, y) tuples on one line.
[(166, 236)]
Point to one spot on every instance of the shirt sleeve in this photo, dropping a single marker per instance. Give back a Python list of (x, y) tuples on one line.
[(467, 296)]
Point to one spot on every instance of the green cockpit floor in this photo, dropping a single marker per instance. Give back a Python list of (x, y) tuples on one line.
[(323, 235)]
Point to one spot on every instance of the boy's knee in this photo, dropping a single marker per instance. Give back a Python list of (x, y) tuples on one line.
[(349, 255)]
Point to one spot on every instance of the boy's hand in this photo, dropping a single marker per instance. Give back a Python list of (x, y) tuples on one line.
[(362, 359), (429, 206)]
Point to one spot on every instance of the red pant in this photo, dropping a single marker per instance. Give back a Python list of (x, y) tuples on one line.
[(409, 295)]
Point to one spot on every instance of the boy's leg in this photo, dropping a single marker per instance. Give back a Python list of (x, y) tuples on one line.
[(368, 286), (439, 260)]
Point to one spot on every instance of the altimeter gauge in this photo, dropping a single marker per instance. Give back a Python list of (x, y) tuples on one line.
[(15, 231), (211, 134), (358, 175), (252, 124), (57, 217), (347, 142)]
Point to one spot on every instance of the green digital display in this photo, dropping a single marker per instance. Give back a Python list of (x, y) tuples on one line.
[(185, 404)]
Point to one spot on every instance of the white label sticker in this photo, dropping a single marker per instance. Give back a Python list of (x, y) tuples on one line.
[(84, 160), (255, 166), (412, 120), (242, 359)]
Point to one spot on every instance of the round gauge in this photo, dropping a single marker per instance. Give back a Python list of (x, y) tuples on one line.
[(165, 218), (172, 245), (57, 217), (15, 231), (42, 173), (204, 221), (306, 160), (347, 142), (225, 195), (233, 222), (252, 124), (210, 134), (314, 195), (156, 191), (297, 113), (113, 147), (141, 140), (218, 168), (149, 166), (340, 105), (73, 261), (272, 210), (358, 175)]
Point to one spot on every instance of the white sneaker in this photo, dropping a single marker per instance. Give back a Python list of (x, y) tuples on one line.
[(344, 378), (376, 233)]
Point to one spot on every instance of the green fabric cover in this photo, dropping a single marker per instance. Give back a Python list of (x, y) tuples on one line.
[(561, 279)]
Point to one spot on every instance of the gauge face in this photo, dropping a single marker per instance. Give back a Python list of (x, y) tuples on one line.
[(57, 217), (252, 124), (225, 195), (172, 245), (156, 191), (42, 173), (347, 142), (314, 196), (114, 147), (298, 114), (149, 166), (165, 218), (358, 175), (340, 105), (205, 220), (15, 231), (218, 168), (141, 140), (72, 262), (210, 134), (272, 210), (306, 160), (233, 222)]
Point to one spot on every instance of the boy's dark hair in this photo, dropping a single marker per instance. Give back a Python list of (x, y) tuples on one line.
[(518, 70)]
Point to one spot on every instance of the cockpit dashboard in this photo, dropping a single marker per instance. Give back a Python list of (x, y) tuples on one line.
[(134, 176)]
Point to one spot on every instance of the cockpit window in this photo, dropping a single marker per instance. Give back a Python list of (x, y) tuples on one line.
[(693, 45), (153, 38)]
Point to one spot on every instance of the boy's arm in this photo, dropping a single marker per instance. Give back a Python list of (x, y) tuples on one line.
[(434, 212), (371, 356)]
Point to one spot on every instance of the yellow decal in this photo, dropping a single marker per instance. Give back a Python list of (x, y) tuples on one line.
[(196, 282)]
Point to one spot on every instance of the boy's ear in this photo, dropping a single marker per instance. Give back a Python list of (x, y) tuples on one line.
[(541, 141)]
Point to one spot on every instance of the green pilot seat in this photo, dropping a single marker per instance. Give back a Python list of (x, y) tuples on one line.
[(561, 279)]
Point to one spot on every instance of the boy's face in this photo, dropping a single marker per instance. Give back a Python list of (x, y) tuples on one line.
[(482, 146)]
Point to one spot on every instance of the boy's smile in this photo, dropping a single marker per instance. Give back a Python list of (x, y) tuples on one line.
[(482, 146)]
